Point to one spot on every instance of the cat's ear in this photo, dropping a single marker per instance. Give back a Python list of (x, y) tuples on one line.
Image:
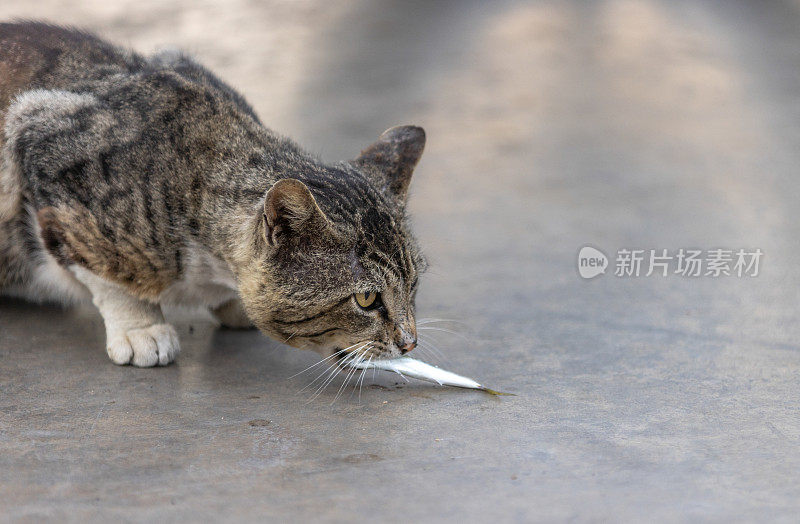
[(290, 209), (392, 158)]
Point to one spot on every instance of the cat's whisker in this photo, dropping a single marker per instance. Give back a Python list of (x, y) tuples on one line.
[(325, 383), (361, 356), (433, 336), (324, 372), (332, 355), (335, 371), (443, 359), (312, 366), (350, 357), (327, 370), (428, 320), (359, 380), (352, 371), (427, 353), (432, 328), (430, 341), (363, 374), (438, 355), (432, 349), (346, 380)]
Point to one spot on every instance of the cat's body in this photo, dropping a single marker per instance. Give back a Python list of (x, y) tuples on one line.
[(142, 181)]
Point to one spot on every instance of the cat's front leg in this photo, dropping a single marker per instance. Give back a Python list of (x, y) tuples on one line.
[(136, 332)]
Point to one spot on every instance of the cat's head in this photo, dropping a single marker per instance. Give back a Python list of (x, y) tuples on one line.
[(337, 267)]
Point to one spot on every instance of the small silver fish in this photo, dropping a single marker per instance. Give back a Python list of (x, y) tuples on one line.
[(410, 367)]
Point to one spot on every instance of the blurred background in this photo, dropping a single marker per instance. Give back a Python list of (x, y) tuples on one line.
[(551, 125)]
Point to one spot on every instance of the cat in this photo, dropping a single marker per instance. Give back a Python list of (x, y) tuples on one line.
[(143, 181)]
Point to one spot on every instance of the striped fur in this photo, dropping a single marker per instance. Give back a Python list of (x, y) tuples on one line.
[(128, 166)]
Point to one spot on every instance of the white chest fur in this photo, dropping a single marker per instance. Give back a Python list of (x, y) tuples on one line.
[(207, 281)]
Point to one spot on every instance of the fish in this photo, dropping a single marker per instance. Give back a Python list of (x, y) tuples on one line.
[(411, 367)]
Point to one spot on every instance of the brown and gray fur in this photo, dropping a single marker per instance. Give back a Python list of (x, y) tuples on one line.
[(140, 181)]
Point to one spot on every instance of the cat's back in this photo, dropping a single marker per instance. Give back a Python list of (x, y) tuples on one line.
[(39, 55)]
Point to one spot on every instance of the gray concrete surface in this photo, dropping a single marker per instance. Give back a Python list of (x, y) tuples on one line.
[(649, 124)]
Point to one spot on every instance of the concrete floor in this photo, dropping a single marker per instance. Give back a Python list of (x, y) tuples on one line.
[(551, 125)]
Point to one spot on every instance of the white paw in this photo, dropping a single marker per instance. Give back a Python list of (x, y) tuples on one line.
[(156, 345)]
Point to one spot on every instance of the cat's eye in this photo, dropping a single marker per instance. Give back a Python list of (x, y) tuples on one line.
[(367, 300)]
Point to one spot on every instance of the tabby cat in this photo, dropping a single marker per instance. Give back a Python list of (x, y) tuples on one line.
[(144, 181)]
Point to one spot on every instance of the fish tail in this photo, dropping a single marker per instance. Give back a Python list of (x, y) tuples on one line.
[(497, 393)]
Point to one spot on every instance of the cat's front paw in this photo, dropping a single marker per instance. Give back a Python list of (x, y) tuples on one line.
[(156, 345)]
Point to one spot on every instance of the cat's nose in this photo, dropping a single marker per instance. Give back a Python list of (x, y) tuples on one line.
[(408, 347), (407, 343)]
